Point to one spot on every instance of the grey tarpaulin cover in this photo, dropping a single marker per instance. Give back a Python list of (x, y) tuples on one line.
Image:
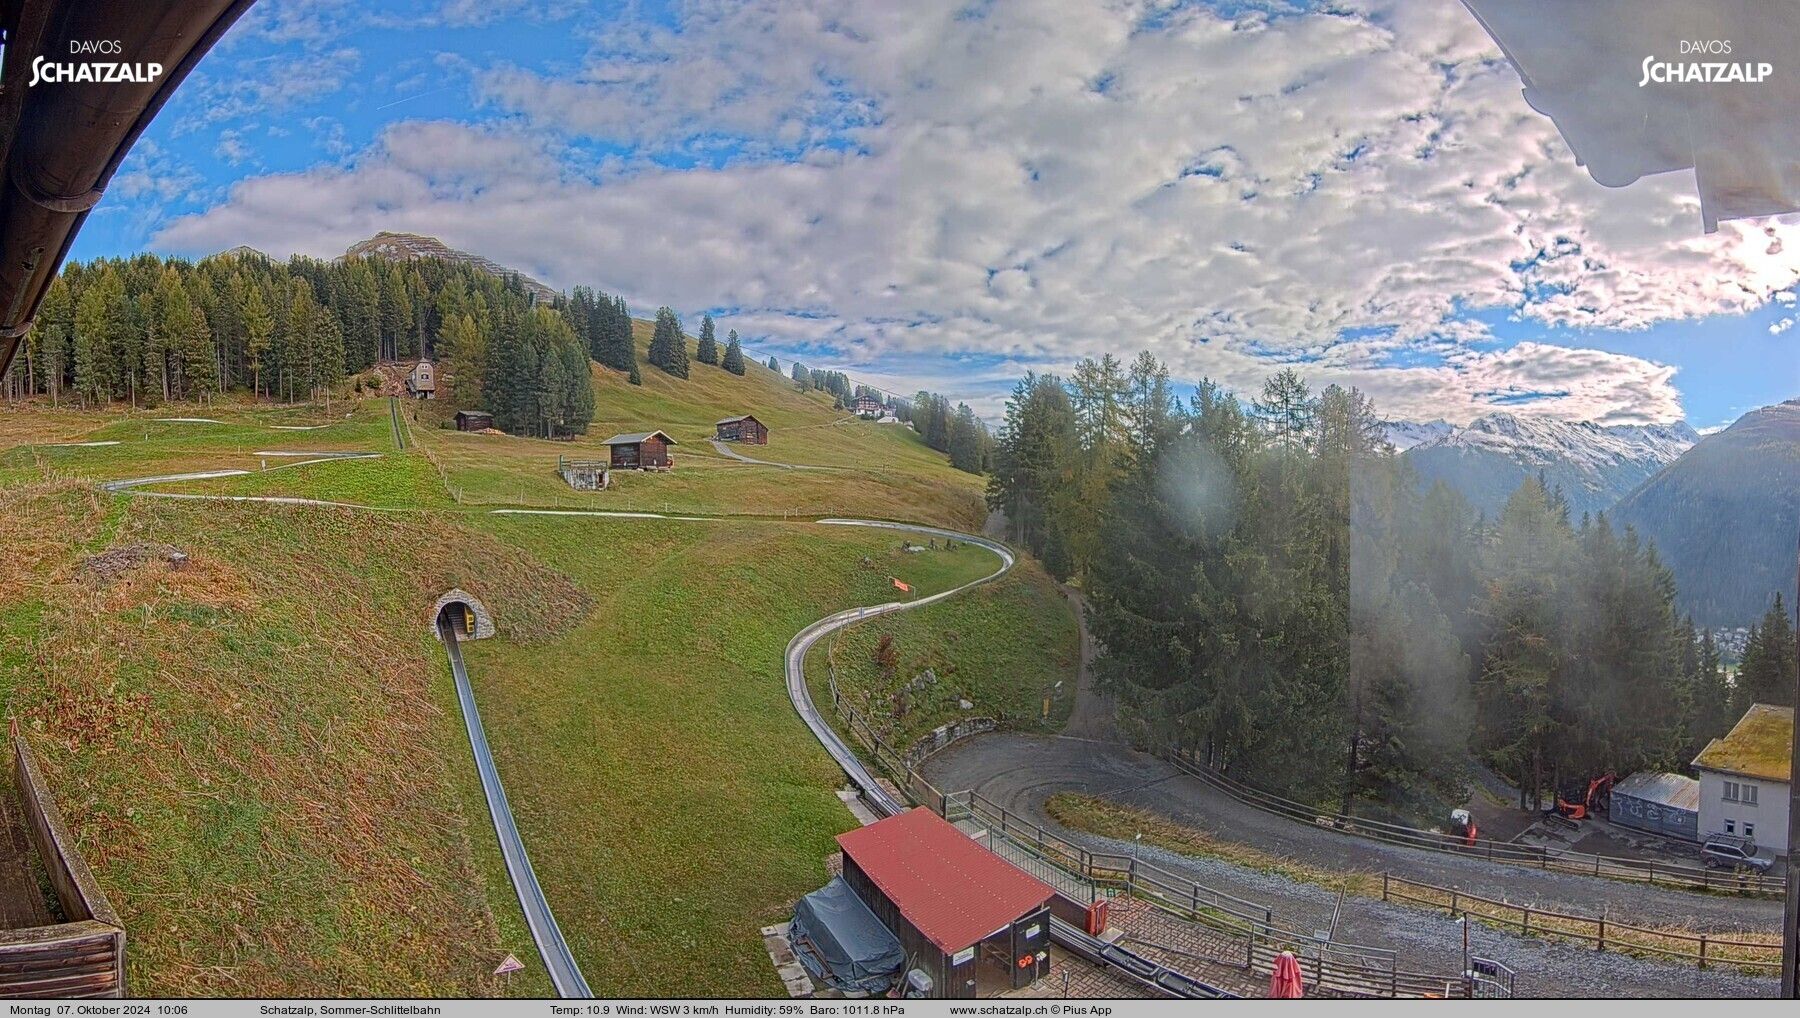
[(833, 928)]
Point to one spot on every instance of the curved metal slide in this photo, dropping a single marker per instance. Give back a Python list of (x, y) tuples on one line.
[(565, 974)]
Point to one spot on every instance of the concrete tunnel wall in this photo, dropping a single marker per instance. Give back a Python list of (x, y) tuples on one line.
[(484, 619)]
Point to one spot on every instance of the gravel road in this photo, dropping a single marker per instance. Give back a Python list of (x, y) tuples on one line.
[(1020, 771)]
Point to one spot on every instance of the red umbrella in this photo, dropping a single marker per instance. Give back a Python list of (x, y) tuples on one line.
[(1284, 978)]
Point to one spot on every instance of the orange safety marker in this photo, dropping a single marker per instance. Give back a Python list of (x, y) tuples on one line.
[(901, 586)]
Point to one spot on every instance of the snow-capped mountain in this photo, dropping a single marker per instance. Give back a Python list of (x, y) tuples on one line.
[(1403, 435), (1594, 465)]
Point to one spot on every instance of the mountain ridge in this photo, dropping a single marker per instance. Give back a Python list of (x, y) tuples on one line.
[(398, 246), (1594, 465), (1724, 515)]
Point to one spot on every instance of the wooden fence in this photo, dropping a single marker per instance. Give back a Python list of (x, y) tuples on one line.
[(1246, 930), (1702, 949), (83, 956), (1342, 969), (1612, 867)]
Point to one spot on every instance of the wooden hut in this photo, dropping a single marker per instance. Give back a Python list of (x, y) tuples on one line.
[(641, 451), (742, 428), (421, 381), (974, 923), (473, 420)]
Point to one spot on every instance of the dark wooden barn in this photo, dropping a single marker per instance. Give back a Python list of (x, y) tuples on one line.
[(643, 451), (473, 420), (743, 428), (974, 923)]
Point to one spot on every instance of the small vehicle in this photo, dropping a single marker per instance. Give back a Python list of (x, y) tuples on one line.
[(1732, 852)]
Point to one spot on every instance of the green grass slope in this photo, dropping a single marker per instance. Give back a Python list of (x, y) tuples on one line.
[(1006, 647), (259, 753), (675, 801)]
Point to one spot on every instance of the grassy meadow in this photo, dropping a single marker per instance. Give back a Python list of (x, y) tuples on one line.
[(1006, 647), (261, 753)]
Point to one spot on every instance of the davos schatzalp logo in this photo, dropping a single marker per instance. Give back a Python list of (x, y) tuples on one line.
[(1704, 71), (45, 71)]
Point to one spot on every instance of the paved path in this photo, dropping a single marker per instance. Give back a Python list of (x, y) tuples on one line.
[(1019, 772), (565, 974), (726, 450)]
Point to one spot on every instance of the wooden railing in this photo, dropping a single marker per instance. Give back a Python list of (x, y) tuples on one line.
[(1611, 867), (1340, 968), (1703, 949), (83, 956)]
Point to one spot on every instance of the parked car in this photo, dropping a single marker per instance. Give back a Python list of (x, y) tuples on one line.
[(1732, 852)]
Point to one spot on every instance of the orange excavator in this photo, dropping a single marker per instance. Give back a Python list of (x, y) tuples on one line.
[(1572, 803)]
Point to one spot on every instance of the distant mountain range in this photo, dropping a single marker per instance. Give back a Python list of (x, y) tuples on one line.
[(1595, 466), (1725, 516), (408, 246)]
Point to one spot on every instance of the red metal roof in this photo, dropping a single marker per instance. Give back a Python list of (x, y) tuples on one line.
[(951, 889)]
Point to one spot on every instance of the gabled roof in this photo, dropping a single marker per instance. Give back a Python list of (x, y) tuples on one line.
[(637, 437), (734, 420), (1760, 745), (951, 889)]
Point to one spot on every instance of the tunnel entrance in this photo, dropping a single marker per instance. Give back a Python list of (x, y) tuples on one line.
[(468, 617)]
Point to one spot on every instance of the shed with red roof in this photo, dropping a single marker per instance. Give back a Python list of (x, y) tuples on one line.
[(973, 922)]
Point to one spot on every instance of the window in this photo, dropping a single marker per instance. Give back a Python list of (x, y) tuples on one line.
[(1749, 829), (1731, 791), (1748, 792), (1731, 827)]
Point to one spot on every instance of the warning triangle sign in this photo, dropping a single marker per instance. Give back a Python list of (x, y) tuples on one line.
[(511, 964)]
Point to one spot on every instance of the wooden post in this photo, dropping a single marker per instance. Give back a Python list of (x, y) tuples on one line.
[(1525, 923), (1384, 885), (1702, 952), (1600, 941), (1453, 901)]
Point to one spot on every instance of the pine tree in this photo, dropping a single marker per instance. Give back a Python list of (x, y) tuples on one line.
[(734, 354), (774, 365), (668, 347), (1766, 674), (259, 330), (634, 378), (707, 352)]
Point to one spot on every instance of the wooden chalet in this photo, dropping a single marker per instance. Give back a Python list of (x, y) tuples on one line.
[(742, 428), (867, 406), (474, 420), (421, 381), (642, 451), (974, 923)]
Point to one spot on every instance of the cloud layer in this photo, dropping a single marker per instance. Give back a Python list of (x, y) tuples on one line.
[(881, 184)]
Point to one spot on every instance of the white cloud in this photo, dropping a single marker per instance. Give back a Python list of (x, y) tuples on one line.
[(1042, 182)]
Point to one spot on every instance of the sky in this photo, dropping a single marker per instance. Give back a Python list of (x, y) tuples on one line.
[(945, 195)]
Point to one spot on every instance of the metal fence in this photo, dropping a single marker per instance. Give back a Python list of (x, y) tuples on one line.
[(1612, 867)]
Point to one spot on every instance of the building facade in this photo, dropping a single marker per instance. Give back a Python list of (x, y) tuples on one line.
[(1744, 779)]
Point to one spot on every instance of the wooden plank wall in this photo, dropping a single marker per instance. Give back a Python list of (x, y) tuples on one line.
[(85, 956)]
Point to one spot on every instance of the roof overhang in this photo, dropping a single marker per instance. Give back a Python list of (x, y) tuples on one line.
[(62, 141)]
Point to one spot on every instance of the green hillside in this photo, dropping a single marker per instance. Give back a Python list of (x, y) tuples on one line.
[(261, 753)]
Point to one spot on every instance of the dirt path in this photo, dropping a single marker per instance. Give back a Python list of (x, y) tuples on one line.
[(1020, 772), (1094, 716)]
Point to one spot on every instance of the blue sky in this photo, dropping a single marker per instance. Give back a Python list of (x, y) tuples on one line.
[(948, 194)]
